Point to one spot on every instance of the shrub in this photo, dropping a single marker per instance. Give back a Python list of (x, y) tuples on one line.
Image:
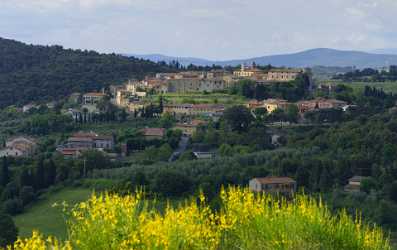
[(13, 206), (8, 230), (244, 221), (27, 195)]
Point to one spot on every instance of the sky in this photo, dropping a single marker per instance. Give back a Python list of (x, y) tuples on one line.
[(212, 29)]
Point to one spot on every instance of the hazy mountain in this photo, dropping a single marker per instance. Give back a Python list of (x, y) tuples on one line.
[(182, 60), (389, 51), (308, 58)]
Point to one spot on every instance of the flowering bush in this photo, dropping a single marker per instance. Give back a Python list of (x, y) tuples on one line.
[(244, 221)]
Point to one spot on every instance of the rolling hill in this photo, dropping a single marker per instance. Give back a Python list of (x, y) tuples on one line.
[(308, 58), (42, 73)]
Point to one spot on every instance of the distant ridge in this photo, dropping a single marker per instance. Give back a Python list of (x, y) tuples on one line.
[(308, 58), (182, 60)]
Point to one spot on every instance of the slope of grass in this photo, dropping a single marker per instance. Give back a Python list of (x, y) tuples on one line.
[(199, 98), (47, 219)]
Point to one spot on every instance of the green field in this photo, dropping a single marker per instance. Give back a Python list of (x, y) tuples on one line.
[(389, 87), (210, 98), (47, 219)]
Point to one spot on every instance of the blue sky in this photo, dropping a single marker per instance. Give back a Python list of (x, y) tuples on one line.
[(213, 29)]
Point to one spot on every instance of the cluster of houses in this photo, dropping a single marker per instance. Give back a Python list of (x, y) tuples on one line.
[(303, 106), (131, 96), (198, 81), (80, 142)]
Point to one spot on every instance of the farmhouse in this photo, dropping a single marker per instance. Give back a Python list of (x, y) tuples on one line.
[(274, 185), (319, 103), (80, 142), (354, 184), (92, 98)]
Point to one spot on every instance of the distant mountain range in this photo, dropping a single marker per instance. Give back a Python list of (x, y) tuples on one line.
[(308, 58)]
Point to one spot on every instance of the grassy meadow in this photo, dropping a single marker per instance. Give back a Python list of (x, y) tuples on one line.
[(209, 98), (47, 219)]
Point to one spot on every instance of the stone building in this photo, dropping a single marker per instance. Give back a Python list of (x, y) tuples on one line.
[(273, 185), (319, 103), (194, 109), (283, 75), (92, 98)]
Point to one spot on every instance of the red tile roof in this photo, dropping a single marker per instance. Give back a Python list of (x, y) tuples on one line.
[(275, 180), (95, 94)]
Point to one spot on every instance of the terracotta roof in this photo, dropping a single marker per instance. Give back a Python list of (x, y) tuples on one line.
[(178, 105), (357, 178), (274, 180), (153, 131), (286, 70), (94, 94), (275, 101), (89, 136)]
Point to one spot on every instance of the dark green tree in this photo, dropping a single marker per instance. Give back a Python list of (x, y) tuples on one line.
[(238, 118), (8, 230), (40, 175), (51, 173), (5, 173), (172, 183)]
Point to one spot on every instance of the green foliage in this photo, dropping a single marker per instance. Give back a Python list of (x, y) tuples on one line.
[(13, 206), (4, 174), (368, 184), (167, 121), (93, 159), (50, 73), (8, 230), (238, 118), (27, 195), (43, 124), (244, 220), (291, 91), (172, 183), (393, 191), (187, 156)]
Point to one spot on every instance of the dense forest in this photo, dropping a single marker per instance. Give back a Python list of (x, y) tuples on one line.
[(40, 73)]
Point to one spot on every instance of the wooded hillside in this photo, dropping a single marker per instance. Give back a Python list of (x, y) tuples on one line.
[(41, 73)]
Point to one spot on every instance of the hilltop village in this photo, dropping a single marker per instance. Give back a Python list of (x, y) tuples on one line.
[(167, 96), (175, 130)]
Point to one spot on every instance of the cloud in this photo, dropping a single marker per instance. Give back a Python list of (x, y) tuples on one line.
[(216, 29)]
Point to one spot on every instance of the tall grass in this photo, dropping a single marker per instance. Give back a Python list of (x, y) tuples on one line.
[(244, 221)]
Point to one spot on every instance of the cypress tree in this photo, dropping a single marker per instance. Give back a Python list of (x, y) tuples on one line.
[(25, 178), (5, 174), (40, 175), (52, 173)]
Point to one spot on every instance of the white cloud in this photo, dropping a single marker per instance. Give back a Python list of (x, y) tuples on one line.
[(217, 29)]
